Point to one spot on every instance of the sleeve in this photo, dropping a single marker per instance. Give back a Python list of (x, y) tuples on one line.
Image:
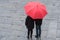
[(26, 21)]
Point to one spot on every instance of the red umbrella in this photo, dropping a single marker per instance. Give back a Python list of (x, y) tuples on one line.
[(36, 10)]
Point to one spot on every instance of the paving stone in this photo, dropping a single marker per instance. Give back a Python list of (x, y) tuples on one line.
[(52, 30), (58, 26), (51, 38), (58, 34), (43, 34), (57, 38), (45, 25)]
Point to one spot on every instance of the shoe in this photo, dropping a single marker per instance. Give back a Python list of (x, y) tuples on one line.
[(28, 37), (36, 36), (39, 38), (31, 36), (39, 35)]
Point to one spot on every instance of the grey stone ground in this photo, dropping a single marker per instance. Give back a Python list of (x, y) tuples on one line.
[(12, 18)]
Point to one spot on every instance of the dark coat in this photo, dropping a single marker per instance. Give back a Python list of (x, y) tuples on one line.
[(29, 23), (38, 21)]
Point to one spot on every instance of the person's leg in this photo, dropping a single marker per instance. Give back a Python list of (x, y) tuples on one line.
[(36, 31), (31, 33), (39, 30), (28, 33)]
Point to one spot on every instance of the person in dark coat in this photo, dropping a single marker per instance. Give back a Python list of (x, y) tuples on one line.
[(29, 25), (38, 23)]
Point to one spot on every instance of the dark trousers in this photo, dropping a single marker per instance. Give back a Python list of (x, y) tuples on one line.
[(30, 32), (38, 30)]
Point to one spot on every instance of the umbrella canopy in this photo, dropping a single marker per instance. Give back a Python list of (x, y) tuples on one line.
[(36, 10)]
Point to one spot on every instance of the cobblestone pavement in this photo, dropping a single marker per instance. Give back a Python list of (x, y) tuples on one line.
[(12, 18)]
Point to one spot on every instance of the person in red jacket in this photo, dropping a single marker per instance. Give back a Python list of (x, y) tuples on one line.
[(30, 26)]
